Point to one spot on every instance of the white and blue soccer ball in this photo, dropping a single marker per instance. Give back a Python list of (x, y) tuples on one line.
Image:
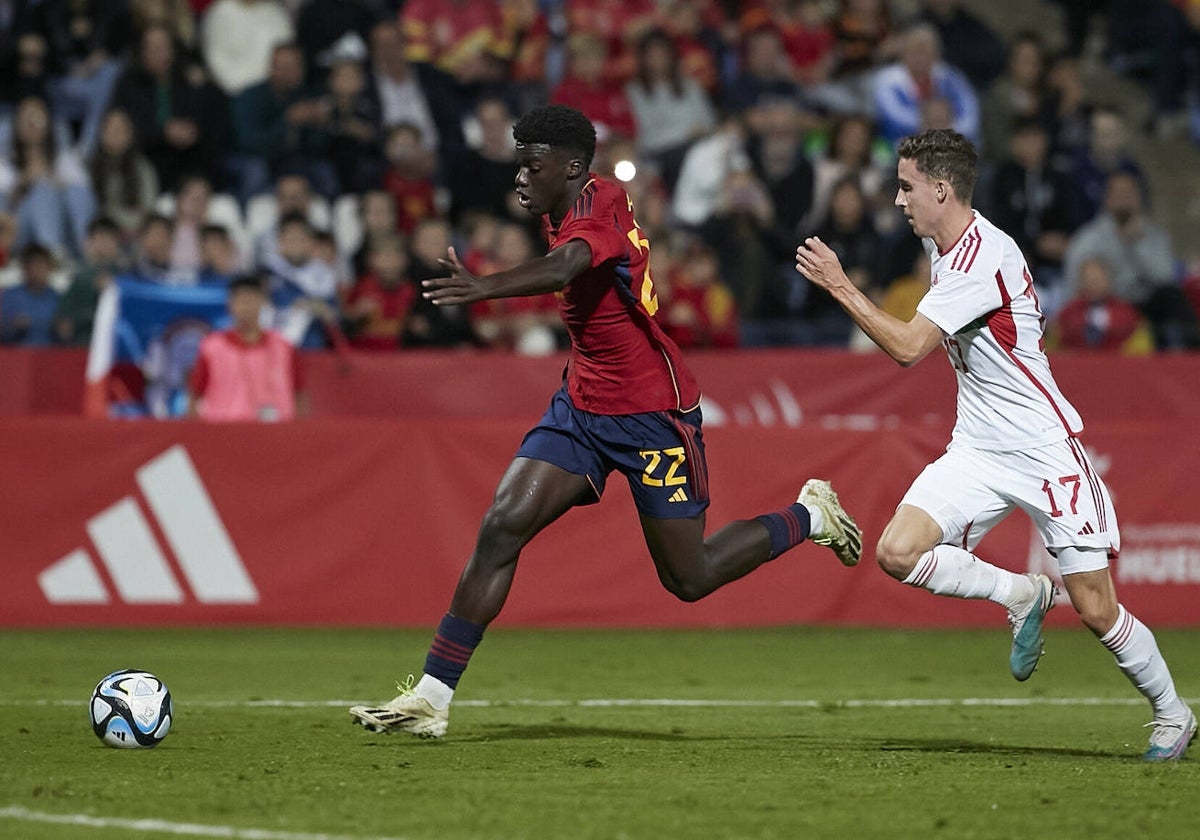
[(131, 709)]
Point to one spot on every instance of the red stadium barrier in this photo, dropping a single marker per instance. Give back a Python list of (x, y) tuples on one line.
[(368, 521)]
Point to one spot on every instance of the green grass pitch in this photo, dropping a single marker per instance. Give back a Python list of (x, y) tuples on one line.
[(779, 733)]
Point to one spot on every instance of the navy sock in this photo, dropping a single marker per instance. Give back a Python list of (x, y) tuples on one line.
[(453, 644), (787, 528)]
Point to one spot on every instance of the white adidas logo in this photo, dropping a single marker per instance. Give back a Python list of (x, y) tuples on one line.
[(131, 553)]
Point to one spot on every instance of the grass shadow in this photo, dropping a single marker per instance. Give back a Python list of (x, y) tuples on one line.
[(959, 745)]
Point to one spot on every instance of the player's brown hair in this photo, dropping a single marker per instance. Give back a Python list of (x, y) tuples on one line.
[(944, 154)]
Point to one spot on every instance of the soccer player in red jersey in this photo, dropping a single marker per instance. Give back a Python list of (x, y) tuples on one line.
[(629, 404)]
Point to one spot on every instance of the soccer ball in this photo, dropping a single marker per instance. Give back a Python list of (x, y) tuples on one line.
[(131, 709)]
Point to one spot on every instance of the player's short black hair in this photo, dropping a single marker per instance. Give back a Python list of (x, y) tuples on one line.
[(942, 153), (559, 127)]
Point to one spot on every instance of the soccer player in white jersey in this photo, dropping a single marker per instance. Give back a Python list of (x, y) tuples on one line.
[(1015, 442)]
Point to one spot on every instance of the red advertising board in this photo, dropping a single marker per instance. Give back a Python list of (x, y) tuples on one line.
[(368, 521)]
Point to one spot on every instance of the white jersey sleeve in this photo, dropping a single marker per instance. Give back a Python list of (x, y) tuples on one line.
[(982, 297)]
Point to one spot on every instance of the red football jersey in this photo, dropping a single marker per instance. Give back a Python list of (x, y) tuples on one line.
[(621, 361)]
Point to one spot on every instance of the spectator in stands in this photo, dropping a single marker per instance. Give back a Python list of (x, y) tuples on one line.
[(152, 254), (168, 108), (219, 259), (303, 288), (527, 325), (123, 179), (27, 310), (27, 72), (903, 293), (292, 194), (696, 308), (1141, 261), (1175, 69), (1035, 204), (532, 37), (377, 220), (765, 75), (848, 152), (329, 31), (968, 43), (864, 40), (1097, 319), (325, 250), (429, 325), (670, 110), (86, 40), (238, 38), (355, 128), (703, 174), (482, 178), (698, 29), (587, 87), (44, 183), (280, 125), (191, 214), (102, 261), (378, 305), (246, 373), (902, 87), (850, 233), (1069, 111), (776, 149), (464, 38), (14, 25), (618, 24), (1107, 153), (176, 15), (743, 233), (416, 93), (805, 31), (1018, 94), (409, 177)]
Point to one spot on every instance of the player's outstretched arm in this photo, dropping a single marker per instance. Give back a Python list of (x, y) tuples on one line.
[(905, 341), (550, 273)]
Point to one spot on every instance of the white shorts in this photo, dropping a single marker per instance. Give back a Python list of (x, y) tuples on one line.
[(969, 491)]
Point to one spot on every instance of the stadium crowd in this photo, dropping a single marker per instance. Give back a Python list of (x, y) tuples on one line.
[(338, 147)]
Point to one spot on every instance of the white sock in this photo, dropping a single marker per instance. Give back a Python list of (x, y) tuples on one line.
[(948, 570), (1132, 643), (816, 520), (435, 691)]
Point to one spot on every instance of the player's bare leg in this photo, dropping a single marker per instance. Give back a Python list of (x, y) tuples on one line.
[(530, 496), (1133, 645), (911, 550), (691, 567)]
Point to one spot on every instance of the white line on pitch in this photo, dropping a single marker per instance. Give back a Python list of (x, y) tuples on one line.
[(15, 812), (656, 702)]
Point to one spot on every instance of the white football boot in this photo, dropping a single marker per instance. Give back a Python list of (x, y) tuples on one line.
[(406, 712), (838, 531)]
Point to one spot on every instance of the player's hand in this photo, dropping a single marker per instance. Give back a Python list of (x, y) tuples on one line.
[(460, 287), (817, 261)]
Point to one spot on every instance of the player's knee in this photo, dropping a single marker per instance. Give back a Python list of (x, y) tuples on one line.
[(1097, 614), (504, 526), (687, 591), (895, 556)]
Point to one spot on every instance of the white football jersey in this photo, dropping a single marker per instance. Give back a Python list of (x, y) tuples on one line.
[(981, 295)]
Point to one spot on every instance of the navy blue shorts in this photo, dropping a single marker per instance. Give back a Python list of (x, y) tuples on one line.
[(660, 453)]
